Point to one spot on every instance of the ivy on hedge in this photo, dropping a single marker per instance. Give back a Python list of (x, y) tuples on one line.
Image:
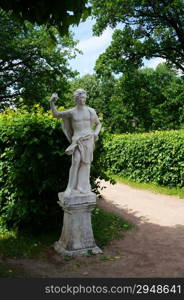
[(156, 157), (34, 168)]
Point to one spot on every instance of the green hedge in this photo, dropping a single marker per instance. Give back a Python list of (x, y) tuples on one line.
[(34, 168), (156, 157)]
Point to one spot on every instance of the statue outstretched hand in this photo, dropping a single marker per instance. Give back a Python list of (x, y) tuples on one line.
[(54, 97)]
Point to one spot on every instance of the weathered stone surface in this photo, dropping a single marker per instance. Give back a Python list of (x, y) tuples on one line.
[(77, 235), (81, 126), (76, 199)]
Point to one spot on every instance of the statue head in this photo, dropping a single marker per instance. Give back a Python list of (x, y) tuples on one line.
[(80, 96)]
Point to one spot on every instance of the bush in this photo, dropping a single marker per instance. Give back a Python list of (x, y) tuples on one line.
[(33, 168), (150, 157)]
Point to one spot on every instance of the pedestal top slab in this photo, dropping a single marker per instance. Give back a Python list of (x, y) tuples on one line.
[(76, 199)]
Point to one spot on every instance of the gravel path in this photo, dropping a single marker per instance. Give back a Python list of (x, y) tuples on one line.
[(154, 248), (154, 208)]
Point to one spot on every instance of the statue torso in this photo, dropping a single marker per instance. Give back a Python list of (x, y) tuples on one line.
[(81, 121)]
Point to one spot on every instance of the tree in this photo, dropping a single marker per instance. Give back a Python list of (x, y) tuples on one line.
[(99, 92), (142, 100), (154, 97), (91, 84), (124, 54), (31, 66), (60, 14), (151, 28)]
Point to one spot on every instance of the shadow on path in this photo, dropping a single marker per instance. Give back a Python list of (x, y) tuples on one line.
[(149, 250)]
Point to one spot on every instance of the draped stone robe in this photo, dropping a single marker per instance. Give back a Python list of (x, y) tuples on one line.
[(85, 143)]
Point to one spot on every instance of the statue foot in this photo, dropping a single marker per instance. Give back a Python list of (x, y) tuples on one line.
[(84, 192), (67, 193)]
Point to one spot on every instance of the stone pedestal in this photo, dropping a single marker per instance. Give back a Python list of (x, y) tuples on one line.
[(77, 235)]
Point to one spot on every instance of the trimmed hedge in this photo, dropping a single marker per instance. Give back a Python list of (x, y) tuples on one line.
[(34, 168), (156, 157)]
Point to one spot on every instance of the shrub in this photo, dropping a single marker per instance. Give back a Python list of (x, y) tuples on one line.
[(150, 157), (33, 168)]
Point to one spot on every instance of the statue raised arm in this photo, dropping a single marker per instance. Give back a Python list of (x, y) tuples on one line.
[(55, 112)]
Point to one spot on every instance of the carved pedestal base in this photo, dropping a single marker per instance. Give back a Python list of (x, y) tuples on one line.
[(77, 235)]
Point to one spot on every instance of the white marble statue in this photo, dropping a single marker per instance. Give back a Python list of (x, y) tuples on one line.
[(81, 127)]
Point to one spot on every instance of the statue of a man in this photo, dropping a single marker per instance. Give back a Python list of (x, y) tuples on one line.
[(81, 127)]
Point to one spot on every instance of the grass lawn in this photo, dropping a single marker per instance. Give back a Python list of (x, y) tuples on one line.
[(153, 187), (14, 244)]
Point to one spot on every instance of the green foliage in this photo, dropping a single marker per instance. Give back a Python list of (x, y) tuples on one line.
[(107, 226), (34, 168), (31, 66), (51, 12), (138, 101), (31, 169), (91, 84), (25, 244), (153, 187), (141, 100), (15, 243), (150, 157), (121, 56), (98, 169), (150, 29), (99, 93)]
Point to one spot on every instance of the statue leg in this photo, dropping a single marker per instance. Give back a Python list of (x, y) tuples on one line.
[(83, 184), (73, 173)]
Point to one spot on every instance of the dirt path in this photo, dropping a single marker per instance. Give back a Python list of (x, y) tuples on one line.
[(155, 248)]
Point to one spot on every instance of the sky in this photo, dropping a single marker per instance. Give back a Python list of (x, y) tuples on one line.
[(93, 46)]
